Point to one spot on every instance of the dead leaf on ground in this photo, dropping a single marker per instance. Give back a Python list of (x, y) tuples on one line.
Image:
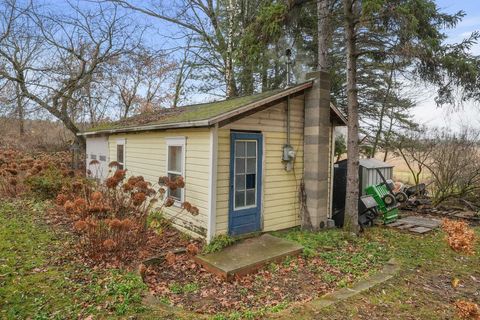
[(455, 282)]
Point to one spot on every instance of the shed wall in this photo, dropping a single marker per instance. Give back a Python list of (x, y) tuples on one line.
[(371, 177), (281, 205), (145, 155), (97, 149)]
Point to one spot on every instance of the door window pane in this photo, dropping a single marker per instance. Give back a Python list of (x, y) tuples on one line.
[(175, 158), (239, 165), (250, 181), (251, 148), (239, 199), (240, 148), (251, 165), (240, 182), (250, 201)]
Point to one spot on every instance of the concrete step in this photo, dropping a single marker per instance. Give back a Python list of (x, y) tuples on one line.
[(248, 256)]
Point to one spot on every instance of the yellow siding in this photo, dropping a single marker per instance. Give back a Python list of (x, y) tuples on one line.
[(145, 155), (280, 201)]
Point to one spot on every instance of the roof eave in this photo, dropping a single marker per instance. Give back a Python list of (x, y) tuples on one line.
[(339, 114), (189, 124)]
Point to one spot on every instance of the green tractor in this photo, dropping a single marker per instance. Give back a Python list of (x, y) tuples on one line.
[(386, 199)]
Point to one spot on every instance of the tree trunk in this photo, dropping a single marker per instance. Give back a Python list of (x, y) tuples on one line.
[(90, 105), (20, 111), (178, 86), (264, 73), (70, 125), (351, 201), (247, 78), (324, 33), (387, 139), (229, 76)]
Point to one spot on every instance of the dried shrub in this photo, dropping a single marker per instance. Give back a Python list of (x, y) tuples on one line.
[(139, 198), (114, 164), (47, 184), (69, 207), (96, 196), (460, 236), (191, 209), (109, 244), (467, 310), (111, 218), (43, 174), (80, 225), (61, 199)]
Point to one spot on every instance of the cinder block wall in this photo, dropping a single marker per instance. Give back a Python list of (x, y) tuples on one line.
[(317, 149)]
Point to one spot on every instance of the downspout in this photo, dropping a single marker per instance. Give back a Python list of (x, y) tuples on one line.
[(288, 53), (288, 120), (288, 152), (331, 162)]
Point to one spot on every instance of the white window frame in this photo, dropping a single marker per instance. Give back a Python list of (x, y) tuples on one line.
[(176, 142), (121, 142)]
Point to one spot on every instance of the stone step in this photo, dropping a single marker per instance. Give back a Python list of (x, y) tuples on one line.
[(248, 256)]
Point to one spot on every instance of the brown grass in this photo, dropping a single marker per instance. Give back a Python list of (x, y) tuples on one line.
[(400, 171), (40, 135)]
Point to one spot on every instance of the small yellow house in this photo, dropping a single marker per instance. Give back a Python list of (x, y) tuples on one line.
[(250, 164)]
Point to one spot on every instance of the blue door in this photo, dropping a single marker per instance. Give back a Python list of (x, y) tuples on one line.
[(245, 182)]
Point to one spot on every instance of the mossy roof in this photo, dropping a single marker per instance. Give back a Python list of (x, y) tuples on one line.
[(192, 115)]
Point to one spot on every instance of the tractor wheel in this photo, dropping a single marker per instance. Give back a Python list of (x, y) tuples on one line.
[(401, 197), (389, 200)]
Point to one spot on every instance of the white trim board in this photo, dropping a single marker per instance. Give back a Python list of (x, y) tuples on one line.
[(212, 206)]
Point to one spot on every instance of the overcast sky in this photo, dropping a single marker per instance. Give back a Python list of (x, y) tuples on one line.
[(427, 112)]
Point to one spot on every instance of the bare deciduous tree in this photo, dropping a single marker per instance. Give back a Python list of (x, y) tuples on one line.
[(139, 79), (12, 104), (454, 165), (415, 149), (211, 25), (54, 56), (183, 74), (451, 161)]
